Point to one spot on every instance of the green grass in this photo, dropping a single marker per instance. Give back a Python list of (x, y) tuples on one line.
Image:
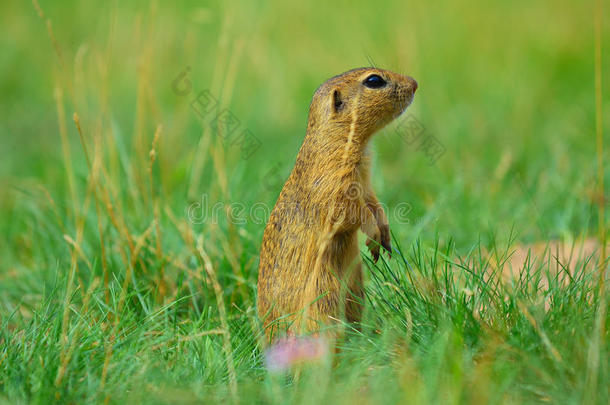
[(109, 291)]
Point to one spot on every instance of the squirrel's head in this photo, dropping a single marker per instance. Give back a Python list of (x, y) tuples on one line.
[(363, 100)]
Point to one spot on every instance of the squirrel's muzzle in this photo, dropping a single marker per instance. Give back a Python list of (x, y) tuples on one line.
[(413, 83)]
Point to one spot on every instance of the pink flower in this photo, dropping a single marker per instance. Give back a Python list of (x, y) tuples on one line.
[(288, 351)]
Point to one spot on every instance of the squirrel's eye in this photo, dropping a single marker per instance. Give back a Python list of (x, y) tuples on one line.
[(374, 82)]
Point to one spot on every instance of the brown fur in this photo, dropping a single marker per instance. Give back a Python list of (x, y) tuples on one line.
[(310, 270)]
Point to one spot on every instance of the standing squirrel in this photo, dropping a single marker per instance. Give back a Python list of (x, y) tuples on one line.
[(310, 272)]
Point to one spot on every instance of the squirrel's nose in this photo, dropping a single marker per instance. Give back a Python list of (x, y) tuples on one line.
[(413, 83)]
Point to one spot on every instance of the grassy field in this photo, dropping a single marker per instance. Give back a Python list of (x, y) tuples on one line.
[(130, 220)]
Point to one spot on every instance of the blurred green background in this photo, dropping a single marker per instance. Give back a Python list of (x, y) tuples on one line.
[(508, 88)]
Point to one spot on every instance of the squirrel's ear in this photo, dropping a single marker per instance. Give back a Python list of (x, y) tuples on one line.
[(337, 103)]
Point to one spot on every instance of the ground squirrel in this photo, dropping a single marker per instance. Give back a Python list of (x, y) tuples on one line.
[(310, 270)]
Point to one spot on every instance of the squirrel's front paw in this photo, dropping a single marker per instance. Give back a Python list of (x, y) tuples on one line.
[(373, 246), (386, 238), (373, 242)]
